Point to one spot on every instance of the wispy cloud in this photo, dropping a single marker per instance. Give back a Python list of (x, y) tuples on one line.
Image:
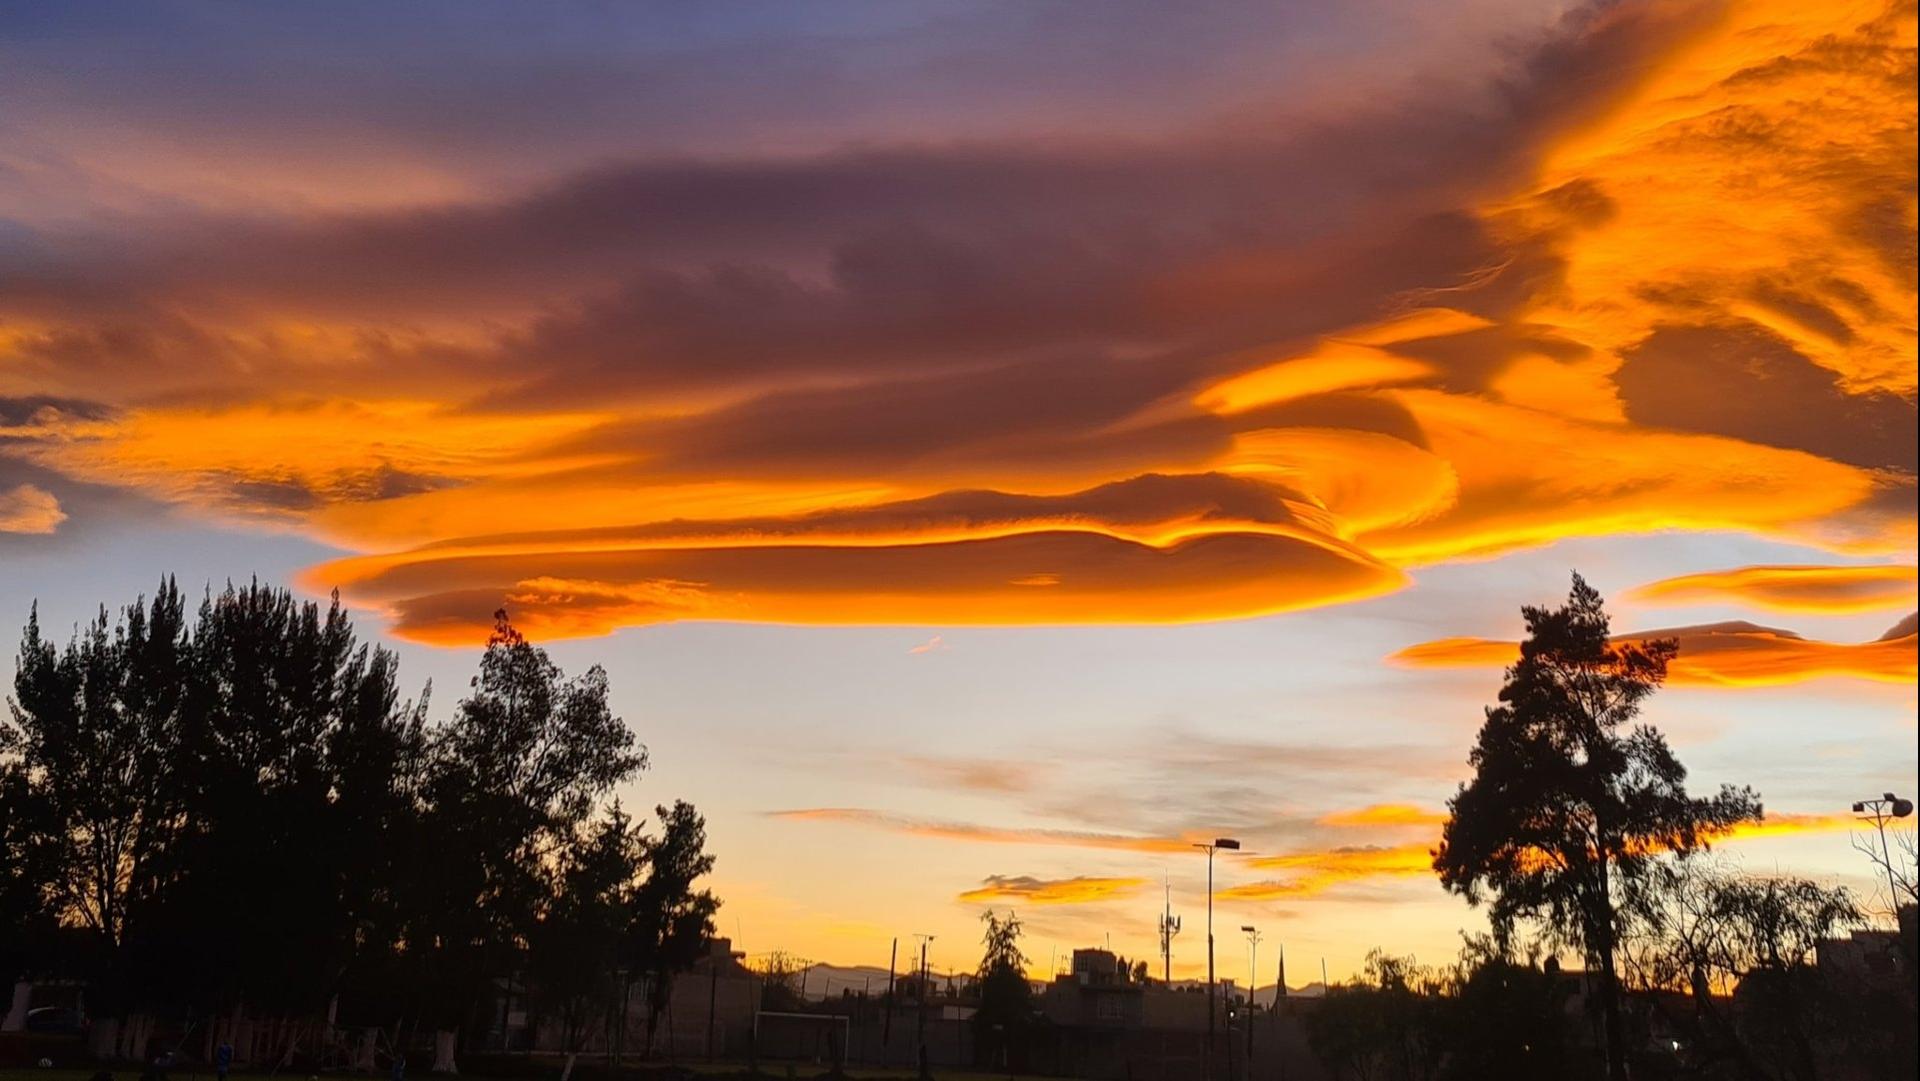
[(991, 775), (936, 644), (983, 834)]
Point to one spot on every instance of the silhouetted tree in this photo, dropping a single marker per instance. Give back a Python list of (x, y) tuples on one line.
[(93, 746), (1488, 1017), (1507, 1019), (779, 975), (1707, 930), (670, 924), (244, 811), (1006, 998), (93, 726), (576, 940), (27, 914), (211, 804), (287, 811), (1386, 1026), (508, 781), (1571, 803), (1895, 855)]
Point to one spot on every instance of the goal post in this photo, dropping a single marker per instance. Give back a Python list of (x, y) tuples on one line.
[(800, 1037)]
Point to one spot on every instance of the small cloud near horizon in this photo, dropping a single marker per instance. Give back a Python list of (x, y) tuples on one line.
[(1028, 889), (28, 508)]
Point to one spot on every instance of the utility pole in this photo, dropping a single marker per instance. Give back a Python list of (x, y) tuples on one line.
[(886, 1030), (1253, 981), (1169, 927), (1228, 843), (713, 1001), (926, 1067)]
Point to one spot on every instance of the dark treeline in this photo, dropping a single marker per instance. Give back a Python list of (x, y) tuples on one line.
[(237, 807)]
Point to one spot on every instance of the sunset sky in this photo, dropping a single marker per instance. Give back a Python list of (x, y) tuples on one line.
[(994, 445)]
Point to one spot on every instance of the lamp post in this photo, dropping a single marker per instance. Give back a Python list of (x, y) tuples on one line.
[(920, 1037), (1231, 845), (1888, 806), (1253, 980)]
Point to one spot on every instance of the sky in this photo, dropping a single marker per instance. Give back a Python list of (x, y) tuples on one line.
[(993, 446)]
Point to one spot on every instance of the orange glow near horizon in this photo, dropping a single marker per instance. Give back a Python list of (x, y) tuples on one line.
[(1317, 872)]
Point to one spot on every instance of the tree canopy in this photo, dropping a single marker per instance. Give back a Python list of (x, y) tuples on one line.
[(1006, 998), (1572, 802), (241, 807)]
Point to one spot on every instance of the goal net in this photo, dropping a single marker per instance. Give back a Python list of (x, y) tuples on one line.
[(799, 1037)]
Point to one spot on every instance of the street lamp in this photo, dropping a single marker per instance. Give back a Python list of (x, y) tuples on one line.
[(1886, 807), (1253, 981), (920, 1037), (1230, 845)]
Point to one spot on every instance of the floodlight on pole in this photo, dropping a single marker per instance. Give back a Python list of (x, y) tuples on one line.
[(1879, 811), (1231, 845)]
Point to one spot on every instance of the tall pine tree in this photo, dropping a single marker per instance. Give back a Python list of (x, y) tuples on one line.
[(1571, 801)]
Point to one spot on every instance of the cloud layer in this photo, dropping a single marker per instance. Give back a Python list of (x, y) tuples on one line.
[(1649, 268)]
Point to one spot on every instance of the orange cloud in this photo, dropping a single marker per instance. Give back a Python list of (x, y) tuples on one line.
[(961, 831), (1811, 104), (1095, 578), (1792, 588), (1051, 891), (1734, 654), (1781, 825), (1317, 872), (1386, 814), (1527, 477), (27, 508), (1348, 360), (1672, 292), (290, 460)]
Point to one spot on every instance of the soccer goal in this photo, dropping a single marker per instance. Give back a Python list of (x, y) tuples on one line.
[(800, 1037)]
